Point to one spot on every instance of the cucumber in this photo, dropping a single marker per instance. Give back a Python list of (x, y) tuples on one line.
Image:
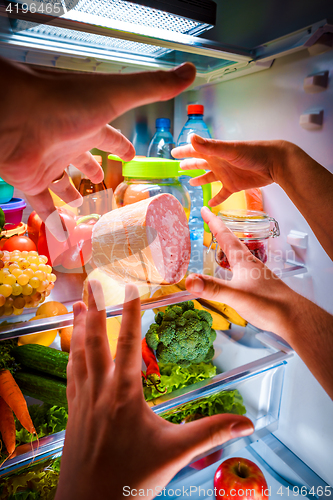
[(51, 390), (42, 358)]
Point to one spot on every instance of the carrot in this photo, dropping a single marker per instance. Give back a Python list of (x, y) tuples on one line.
[(7, 426), (153, 374), (11, 393)]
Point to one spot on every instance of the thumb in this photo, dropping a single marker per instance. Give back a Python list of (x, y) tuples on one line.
[(108, 96), (203, 435), (211, 288)]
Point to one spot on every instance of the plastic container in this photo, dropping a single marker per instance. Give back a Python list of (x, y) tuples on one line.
[(252, 228), (13, 211), (6, 191), (195, 124), (147, 177), (162, 143)]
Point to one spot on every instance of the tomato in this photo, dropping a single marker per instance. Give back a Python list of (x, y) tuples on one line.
[(34, 223), (19, 243)]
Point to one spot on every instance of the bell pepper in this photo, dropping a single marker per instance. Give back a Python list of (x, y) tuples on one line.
[(34, 223), (76, 250)]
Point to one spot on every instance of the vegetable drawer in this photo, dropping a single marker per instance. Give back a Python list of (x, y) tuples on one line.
[(256, 385)]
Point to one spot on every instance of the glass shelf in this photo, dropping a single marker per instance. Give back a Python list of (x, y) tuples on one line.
[(69, 288)]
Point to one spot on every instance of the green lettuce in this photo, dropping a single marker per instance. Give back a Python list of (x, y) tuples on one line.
[(223, 402), (175, 377), (47, 420), (38, 482), (7, 361)]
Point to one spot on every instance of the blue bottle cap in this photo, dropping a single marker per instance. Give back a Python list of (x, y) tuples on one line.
[(163, 123)]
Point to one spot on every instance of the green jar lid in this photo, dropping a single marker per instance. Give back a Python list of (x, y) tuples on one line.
[(149, 168)]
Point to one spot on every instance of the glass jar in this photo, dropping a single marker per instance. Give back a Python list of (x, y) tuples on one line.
[(252, 228), (96, 199), (147, 177)]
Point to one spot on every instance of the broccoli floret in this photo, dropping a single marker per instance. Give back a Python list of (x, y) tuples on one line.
[(183, 335), (206, 316), (212, 336), (152, 337), (159, 317)]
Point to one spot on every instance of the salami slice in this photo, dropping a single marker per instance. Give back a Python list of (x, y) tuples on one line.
[(147, 241)]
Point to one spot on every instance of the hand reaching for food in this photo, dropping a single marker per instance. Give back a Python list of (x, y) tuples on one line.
[(113, 438), (52, 119), (264, 300)]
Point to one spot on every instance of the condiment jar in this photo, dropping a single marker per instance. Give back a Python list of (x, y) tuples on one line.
[(253, 228), (96, 198), (145, 177)]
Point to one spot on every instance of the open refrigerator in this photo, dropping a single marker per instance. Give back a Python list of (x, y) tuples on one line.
[(251, 90)]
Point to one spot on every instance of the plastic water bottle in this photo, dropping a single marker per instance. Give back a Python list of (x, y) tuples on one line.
[(141, 137), (162, 142), (195, 124)]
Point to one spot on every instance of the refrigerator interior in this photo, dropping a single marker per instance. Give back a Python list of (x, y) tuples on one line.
[(267, 106)]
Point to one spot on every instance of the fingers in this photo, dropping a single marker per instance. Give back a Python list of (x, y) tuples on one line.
[(202, 435), (87, 164), (231, 151), (78, 367), (42, 203), (98, 355), (129, 358), (66, 191), (235, 251), (109, 139), (220, 197), (210, 288), (203, 179), (185, 151), (194, 163), (142, 88)]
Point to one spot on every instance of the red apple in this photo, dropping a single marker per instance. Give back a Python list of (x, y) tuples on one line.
[(239, 479)]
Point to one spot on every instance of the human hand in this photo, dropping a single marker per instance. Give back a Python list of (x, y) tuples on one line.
[(50, 120), (256, 293), (113, 439), (238, 165)]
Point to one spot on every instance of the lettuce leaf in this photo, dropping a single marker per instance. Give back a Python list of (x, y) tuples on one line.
[(47, 420), (32, 483), (7, 361), (223, 402), (175, 377)]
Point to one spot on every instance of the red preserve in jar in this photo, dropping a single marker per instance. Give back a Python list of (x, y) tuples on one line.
[(252, 228)]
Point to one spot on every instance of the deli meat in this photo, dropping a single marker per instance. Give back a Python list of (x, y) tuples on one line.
[(147, 241)]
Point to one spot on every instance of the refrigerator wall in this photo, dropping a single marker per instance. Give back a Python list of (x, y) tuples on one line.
[(266, 106)]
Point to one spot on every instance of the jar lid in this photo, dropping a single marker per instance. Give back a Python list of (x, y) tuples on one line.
[(149, 168), (13, 204), (246, 220)]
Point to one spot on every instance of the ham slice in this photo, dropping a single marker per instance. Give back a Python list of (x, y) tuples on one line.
[(145, 242)]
